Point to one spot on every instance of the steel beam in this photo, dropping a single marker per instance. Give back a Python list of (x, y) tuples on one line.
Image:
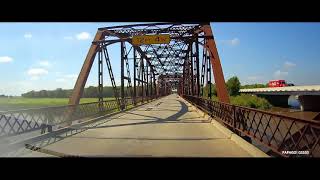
[(134, 75), (100, 79), (216, 66), (197, 67), (85, 70), (122, 76), (191, 69)]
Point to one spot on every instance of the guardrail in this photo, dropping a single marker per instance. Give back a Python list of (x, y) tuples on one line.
[(282, 135), (19, 122)]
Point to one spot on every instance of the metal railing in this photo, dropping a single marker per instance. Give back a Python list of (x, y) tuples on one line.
[(18, 122), (282, 135)]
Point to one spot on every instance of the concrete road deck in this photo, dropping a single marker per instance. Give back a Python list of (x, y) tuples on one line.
[(167, 127)]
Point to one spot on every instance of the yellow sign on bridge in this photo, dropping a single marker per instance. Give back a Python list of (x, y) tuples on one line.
[(151, 39)]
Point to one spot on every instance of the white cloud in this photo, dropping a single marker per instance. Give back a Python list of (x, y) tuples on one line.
[(68, 37), (5, 59), (280, 74), (288, 65), (36, 73), (232, 42), (45, 63), (27, 35), (235, 41), (83, 36)]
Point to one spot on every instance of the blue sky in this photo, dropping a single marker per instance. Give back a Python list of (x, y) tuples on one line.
[(36, 56)]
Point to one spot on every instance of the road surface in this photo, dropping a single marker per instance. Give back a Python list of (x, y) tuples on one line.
[(167, 127)]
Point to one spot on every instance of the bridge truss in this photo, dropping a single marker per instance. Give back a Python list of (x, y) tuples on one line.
[(158, 68), (186, 64)]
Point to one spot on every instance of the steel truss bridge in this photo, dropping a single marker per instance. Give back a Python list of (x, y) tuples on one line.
[(186, 64)]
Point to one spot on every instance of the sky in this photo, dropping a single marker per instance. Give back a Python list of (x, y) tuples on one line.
[(36, 56)]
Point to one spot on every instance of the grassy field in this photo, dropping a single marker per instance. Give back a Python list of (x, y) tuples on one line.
[(24, 103)]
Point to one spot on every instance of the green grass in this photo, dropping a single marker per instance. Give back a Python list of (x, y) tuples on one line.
[(24, 103), (251, 101), (247, 100)]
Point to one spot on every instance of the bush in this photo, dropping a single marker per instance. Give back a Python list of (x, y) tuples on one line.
[(233, 86), (251, 101)]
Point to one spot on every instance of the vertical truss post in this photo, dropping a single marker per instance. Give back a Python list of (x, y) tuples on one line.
[(100, 79), (113, 83), (216, 65), (197, 65), (186, 74), (151, 93), (209, 79), (82, 79), (142, 79), (128, 77), (122, 76), (147, 84), (191, 69), (166, 88), (154, 85), (183, 78), (134, 75), (85, 70), (187, 80), (203, 70), (139, 76)]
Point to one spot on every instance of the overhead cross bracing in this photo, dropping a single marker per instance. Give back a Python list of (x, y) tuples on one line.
[(178, 55), (164, 58), (183, 60)]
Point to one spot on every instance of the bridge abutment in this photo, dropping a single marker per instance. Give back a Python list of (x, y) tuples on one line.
[(276, 100), (309, 103)]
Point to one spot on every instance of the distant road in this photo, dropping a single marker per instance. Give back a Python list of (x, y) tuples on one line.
[(290, 90)]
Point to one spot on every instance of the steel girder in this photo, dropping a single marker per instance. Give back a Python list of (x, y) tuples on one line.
[(168, 66)]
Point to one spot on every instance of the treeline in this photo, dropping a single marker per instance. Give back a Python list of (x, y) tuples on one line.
[(250, 86), (233, 87), (89, 92), (3, 96)]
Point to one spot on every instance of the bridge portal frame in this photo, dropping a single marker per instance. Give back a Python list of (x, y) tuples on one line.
[(186, 34)]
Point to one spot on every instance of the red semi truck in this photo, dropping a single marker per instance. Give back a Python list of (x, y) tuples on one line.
[(279, 83)]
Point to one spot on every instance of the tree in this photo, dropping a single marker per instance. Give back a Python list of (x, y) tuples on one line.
[(250, 86), (214, 90), (51, 94), (233, 86), (43, 94), (60, 93), (91, 92), (206, 90)]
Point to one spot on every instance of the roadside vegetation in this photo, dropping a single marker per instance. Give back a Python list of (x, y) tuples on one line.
[(12, 103), (246, 100), (89, 92), (60, 97)]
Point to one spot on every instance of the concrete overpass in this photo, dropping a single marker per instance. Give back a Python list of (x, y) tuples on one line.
[(308, 96)]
